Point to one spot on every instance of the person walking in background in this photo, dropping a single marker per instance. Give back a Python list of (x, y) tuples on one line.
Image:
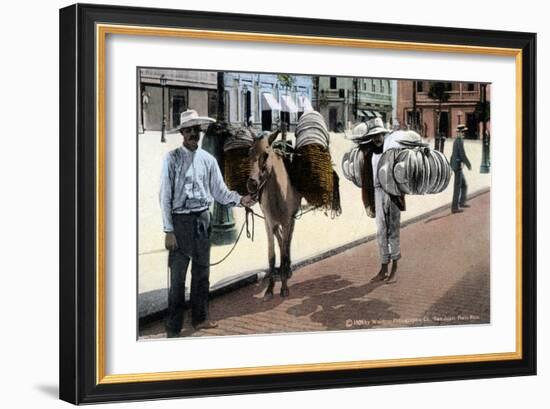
[(458, 158)]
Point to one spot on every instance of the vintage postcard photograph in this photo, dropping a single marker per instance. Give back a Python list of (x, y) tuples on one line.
[(274, 203)]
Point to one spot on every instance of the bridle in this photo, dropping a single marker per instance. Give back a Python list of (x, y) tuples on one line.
[(264, 177)]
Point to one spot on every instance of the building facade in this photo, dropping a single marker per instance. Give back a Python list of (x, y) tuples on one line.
[(262, 98), (460, 108), (183, 89), (342, 100)]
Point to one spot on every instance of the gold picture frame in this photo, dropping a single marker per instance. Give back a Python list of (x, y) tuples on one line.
[(83, 59)]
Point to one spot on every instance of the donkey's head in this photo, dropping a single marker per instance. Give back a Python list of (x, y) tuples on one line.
[(261, 162)]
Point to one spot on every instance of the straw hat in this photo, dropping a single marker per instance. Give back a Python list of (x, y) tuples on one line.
[(376, 126), (191, 118)]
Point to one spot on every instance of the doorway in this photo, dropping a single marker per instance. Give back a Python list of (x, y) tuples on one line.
[(247, 106), (332, 118), (178, 106), (267, 120), (444, 123), (472, 125)]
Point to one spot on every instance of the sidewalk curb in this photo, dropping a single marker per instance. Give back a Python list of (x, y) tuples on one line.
[(159, 307)]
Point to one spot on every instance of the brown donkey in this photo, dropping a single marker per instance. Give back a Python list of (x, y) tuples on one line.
[(270, 183)]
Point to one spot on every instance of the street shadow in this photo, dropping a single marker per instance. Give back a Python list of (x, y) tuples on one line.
[(249, 300), (329, 300), (49, 390), (345, 307), (433, 219)]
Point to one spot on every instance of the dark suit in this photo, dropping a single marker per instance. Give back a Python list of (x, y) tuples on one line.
[(458, 158)]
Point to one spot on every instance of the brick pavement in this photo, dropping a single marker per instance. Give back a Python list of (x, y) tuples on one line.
[(443, 279)]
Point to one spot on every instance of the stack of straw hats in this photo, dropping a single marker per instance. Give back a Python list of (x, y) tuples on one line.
[(311, 129), (352, 166), (312, 164), (236, 161)]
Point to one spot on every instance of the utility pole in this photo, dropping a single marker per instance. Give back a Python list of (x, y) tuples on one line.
[(223, 223), (485, 162), (163, 130), (221, 97), (317, 94), (355, 98), (414, 123)]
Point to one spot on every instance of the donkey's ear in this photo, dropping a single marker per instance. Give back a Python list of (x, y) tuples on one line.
[(273, 136), (252, 132)]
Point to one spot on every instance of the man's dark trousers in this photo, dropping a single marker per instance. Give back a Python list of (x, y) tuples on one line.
[(193, 238), (460, 190)]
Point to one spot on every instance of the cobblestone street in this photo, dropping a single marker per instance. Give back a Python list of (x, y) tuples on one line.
[(443, 279)]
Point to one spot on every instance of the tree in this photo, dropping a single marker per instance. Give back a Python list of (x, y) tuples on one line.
[(482, 107), (286, 80)]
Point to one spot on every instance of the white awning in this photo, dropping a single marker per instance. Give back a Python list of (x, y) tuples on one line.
[(370, 114), (304, 103), (269, 103), (287, 104)]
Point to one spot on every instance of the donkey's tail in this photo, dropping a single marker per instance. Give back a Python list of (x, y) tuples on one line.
[(336, 206)]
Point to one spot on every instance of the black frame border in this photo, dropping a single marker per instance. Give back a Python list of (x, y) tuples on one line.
[(78, 197)]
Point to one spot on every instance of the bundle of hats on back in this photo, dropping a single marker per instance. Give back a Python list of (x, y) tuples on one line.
[(414, 169), (353, 161), (236, 161), (312, 171), (352, 166)]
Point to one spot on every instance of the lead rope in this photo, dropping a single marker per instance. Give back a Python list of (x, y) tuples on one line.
[(249, 220), (232, 248), (249, 213)]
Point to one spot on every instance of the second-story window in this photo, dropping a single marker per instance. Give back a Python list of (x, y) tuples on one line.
[(333, 83), (419, 86), (382, 88), (373, 86), (470, 86)]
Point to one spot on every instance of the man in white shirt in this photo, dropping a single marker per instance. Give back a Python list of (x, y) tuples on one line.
[(191, 180)]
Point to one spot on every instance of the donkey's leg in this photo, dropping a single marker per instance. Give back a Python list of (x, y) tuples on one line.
[(288, 245), (271, 258), (285, 258), (278, 232)]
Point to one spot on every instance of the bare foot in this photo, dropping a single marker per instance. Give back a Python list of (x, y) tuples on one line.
[(391, 278), (381, 274)]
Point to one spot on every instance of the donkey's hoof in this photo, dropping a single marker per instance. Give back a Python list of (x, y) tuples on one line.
[(285, 292), (268, 296)]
